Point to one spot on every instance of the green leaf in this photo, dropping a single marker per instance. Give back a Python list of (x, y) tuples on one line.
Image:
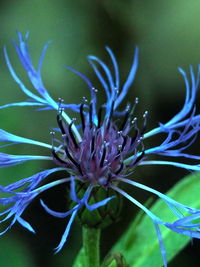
[(80, 259), (139, 244)]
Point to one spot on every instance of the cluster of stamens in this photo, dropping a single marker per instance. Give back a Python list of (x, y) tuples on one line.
[(99, 157)]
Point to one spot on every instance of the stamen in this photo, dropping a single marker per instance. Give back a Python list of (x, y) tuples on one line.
[(72, 135), (140, 140), (94, 90), (134, 121), (60, 101), (125, 118), (52, 139), (73, 160), (84, 100), (145, 122), (92, 144), (82, 117), (119, 147), (120, 168), (116, 92), (124, 142), (112, 109), (57, 157), (103, 156), (53, 149), (135, 136), (59, 120), (140, 157), (111, 113), (99, 117), (90, 114)]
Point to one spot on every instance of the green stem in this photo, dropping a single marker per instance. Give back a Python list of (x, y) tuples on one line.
[(91, 238)]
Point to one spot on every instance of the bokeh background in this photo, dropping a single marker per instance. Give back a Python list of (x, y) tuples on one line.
[(168, 36)]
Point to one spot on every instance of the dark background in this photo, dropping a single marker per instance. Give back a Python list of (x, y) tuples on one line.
[(168, 36)]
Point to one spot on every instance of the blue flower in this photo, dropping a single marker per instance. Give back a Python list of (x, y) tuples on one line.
[(101, 151)]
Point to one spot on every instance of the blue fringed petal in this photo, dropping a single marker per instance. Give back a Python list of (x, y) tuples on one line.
[(57, 214), (7, 160), (20, 200), (182, 118), (25, 224), (129, 80), (21, 104), (66, 233), (8, 137)]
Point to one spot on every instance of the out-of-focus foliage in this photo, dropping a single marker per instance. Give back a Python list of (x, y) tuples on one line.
[(14, 252)]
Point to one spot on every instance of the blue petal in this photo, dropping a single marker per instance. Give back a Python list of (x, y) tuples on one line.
[(92, 91), (56, 213), (162, 248), (11, 160), (17, 80), (167, 199), (187, 232), (8, 137), (21, 104), (129, 80), (115, 65), (180, 119), (66, 233), (42, 56), (98, 204), (3, 232), (185, 220), (101, 79), (171, 163), (32, 181), (73, 190), (83, 77), (25, 224), (189, 100), (106, 70)]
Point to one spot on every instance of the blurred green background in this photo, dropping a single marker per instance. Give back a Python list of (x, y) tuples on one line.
[(168, 36)]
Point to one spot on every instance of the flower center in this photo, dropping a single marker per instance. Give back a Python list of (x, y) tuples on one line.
[(99, 157)]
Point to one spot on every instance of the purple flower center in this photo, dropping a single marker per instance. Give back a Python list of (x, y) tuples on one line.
[(99, 158)]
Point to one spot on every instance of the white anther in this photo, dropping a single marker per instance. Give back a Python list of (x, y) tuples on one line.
[(145, 114), (84, 99), (94, 89), (140, 139), (116, 90), (128, 107), (134, 120), (119, 147)]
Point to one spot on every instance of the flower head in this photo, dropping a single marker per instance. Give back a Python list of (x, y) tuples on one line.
[(103, 150)]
